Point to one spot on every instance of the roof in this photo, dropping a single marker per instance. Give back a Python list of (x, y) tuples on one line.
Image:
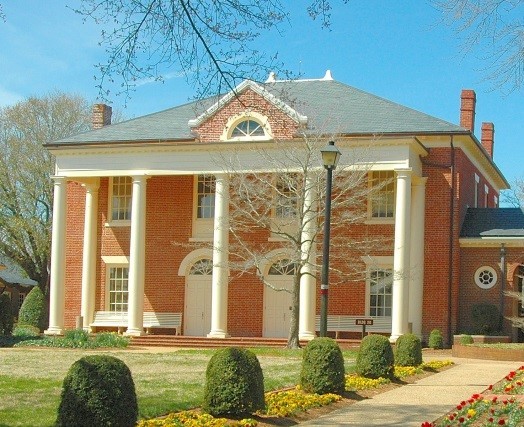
[(8, 278), (493, 222), (330, 107)]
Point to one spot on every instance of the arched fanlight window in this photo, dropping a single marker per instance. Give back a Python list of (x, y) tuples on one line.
[(247, 128), (203, 267), (283, 267)]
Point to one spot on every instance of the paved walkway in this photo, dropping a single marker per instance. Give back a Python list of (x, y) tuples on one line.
[(425, 400)]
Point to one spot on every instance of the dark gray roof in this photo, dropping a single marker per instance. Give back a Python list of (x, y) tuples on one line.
[(331, 107), (9, 278), (493, 222)]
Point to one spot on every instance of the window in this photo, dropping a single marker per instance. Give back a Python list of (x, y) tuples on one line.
[(121, 198), (485, 277), (205, 196), (285, 198), (477, 181), (283, 267), (382, 194), (486, 192), (118, 289), (203, 267), (247, 129), (21, 298), (380, 292)]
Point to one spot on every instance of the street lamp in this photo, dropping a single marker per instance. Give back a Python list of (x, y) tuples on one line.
[(330, 158)]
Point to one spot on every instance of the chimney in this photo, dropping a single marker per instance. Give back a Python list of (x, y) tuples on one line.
[(488, 137), (467, 109), (101, 116)]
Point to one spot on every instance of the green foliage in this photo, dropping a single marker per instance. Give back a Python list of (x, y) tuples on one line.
[(98, 391), (234, 383), (486, 318), (26, 331), (77, 335), (375, 358), (436, 341), (408, 350), (34, 310), (6, 315), (78, 338), (322, 367), (466, 339)]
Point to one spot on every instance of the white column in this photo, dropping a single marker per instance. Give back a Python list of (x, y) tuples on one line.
[(418, 194), (399, 320), (308, 282), (89, 253), (219, 282), (58, 258), (137, 258)]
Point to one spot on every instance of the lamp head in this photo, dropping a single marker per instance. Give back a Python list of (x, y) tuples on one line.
[(330, 155)]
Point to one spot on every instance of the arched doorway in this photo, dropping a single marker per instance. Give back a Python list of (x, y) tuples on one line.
[(278, 300), (197, 312)]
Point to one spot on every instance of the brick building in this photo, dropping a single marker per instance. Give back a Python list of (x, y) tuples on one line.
[(451, 248)]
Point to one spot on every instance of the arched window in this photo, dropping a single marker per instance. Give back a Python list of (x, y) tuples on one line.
[(203, 267), (283, 267), (247, 128)]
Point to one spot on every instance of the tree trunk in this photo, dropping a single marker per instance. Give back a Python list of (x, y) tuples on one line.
[(293, 340)]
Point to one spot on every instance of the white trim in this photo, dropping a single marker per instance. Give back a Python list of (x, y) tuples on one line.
[(377, 261), (493, 273), (494, 242), (191, 258), (115, 259), (235, 120), (271, 257)]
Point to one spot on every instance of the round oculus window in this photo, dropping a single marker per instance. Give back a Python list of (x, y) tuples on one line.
[(485, 277)]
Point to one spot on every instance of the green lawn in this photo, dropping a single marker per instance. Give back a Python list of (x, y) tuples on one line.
[(31, 379)]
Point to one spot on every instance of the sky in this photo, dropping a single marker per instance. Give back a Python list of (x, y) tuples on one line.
[(400, 51)]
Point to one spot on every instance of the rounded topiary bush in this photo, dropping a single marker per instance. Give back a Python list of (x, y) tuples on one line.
[(234, 383), (375, 358), (408, 350), (6, 315), (98, 391), (34, 310), (435, 339), (486, 318), (322, 367)]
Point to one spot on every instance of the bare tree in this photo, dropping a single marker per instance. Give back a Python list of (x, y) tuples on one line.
[(515, 196), (286, 203), (496, 27), (25, 170), (211, 44)]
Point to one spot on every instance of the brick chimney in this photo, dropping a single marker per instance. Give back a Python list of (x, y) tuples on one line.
[(488, 137), (468, 100), (101, 116)]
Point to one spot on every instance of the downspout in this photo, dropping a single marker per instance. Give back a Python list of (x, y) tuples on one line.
[(451, 237), (502, 283)]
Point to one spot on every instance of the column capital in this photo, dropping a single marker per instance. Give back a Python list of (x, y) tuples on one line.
[(419, 180), (59, 179), (90, 184), (403, 172)]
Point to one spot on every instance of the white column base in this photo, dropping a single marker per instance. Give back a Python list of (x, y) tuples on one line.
[(218, 334), (307, 336), (134, 332), (54, 331), (393, 338)]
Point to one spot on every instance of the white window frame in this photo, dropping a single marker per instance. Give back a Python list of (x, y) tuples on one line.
[(283, 224), (486, 193), (375, 195), (477, 182), (370, 280), (202, 227), (110, 263), (234, 121), (376, 263), (118, 222), (482, 274)]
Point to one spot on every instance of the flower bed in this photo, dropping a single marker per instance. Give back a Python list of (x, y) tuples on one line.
[(499, 405)]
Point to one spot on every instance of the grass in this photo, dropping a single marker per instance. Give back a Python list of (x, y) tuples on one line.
[(31, 379)]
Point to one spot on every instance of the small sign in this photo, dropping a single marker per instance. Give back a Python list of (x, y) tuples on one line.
[(364, 322)]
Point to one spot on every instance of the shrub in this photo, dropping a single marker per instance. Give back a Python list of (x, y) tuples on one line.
[(322, 367), (234, 383), (375, 358), (77, 336), (26, 331), (110, 339), (486, 318), (408, 350), (98, 391), (466, 339), (6, 315), (34, 310), (436, 341)]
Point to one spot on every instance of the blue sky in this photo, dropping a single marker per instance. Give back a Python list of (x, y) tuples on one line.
[(397, 50)]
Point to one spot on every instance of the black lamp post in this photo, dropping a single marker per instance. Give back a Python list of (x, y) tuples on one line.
[(330, 158)]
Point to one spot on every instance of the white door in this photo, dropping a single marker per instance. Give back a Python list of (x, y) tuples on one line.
[(197, 315), (277, 307)]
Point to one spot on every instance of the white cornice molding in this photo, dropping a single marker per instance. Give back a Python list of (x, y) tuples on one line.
[(491, 242)]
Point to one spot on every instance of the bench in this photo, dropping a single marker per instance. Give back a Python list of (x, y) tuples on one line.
[(343, 323), (151, 320)]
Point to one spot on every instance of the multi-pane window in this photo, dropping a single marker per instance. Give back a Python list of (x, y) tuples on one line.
[(206, 196), (283, 267), (21, 298), (203, 267), (285, 199), (118, 289), (121, 198), (383, 194), (247, 128), (380, 292)]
